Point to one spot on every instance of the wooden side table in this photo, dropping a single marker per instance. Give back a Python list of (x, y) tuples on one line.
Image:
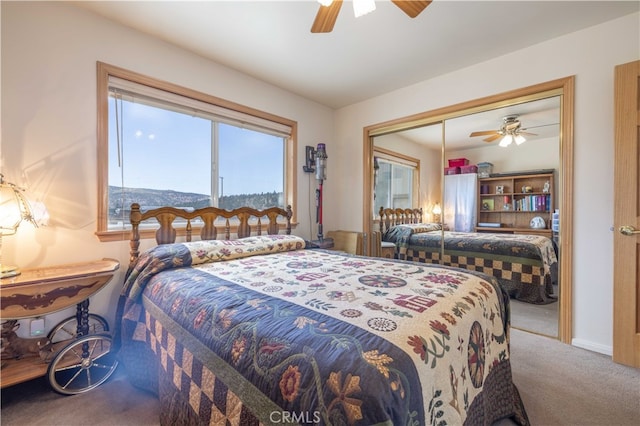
[(388, 250), (41, 291)]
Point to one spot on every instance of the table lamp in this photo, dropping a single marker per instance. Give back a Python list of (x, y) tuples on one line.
[(14, 209), (437, 212)]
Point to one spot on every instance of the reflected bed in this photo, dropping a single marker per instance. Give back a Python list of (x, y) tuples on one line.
[(525, 265)]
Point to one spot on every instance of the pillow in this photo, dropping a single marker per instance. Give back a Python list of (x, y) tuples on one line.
[(422, 227), (221, 250)]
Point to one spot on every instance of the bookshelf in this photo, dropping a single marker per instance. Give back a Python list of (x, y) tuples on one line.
[(508, 202)]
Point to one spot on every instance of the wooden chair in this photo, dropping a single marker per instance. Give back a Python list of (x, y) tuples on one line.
[(347, 241)]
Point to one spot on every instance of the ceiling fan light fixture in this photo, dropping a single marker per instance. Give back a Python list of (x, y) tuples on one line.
[(362, 7), (506, 141), (328, 11), (520, 139)]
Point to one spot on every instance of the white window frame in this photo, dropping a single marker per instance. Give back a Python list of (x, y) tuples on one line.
[(109, 75)]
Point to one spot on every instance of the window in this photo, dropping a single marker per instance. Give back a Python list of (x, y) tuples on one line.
[(395, 180), (160, 144)]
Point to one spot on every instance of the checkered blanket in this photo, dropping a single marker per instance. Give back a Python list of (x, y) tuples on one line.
[(525, 265)]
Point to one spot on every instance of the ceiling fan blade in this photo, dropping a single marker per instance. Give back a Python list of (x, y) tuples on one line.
[(412, 8), (493, 138), (541, 125), (326, 17), (483, 133), (527, 134)]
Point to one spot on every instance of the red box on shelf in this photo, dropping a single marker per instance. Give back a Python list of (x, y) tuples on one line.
[(452, 170), (472, 168), (458, 162)]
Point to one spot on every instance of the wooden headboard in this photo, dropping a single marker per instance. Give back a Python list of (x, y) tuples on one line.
[(240, 221), (390, 217)]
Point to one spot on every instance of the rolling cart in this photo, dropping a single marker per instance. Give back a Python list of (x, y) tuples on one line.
[(80, 355)]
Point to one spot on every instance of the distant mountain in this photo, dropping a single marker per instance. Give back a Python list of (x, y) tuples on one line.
[(257, 201), (120, 198), (151, 198)]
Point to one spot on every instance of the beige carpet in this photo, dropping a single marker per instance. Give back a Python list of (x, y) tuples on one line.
[(559, 384), (540, 319), (114, 403), (564, 385)]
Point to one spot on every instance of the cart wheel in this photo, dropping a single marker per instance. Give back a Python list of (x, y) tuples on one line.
[(68, 329), (82, 365)]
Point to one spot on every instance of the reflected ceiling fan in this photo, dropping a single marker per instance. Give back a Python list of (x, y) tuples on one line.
[(510, 131), (329, 9)]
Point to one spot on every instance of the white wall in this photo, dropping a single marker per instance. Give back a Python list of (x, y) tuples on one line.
[(49, 54), (590, 55), (541, 154)]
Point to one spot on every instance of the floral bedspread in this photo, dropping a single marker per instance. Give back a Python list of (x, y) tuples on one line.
[(336, 338)]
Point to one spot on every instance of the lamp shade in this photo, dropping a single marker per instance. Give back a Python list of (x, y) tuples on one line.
[(506, 140), (15, 207), (10, 212)]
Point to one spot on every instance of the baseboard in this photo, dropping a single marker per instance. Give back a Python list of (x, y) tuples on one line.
[(594, 347)]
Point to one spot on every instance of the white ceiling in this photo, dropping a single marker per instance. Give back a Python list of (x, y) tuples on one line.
[(363, 57), (540, 117)]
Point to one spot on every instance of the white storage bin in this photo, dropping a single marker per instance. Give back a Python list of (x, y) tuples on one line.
[(485, 169)]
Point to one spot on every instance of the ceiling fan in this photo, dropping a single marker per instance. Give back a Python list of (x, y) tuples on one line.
[(511, 130), (328, 12)]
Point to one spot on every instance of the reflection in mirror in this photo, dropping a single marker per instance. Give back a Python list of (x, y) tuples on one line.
[(396, 179), (511, 175), (423, 156), (401, 151), (515, 193)]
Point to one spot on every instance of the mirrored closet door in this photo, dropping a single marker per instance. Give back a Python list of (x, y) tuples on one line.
[(535, 167), (515, 192)]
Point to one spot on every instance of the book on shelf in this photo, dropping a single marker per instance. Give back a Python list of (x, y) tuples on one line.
[(489, 225), (534, 203)]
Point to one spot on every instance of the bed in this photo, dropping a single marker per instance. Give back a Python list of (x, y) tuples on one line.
[(525, 265), (259, 329)]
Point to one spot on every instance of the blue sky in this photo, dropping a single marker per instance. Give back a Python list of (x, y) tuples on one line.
[(168, 150)]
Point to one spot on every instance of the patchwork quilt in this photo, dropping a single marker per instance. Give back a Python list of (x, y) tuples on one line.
[(268, 332)]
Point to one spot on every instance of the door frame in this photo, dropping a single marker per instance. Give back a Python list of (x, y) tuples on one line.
[(565, 87)]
